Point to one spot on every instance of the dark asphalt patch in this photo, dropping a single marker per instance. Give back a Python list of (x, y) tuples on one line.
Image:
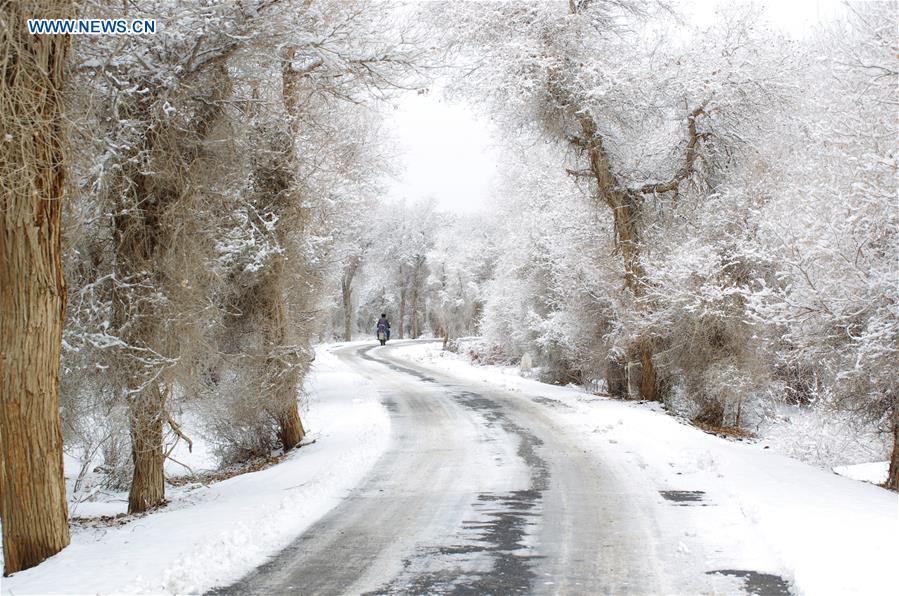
[(495, 414), (552, 403), (762, 584), (684, 498), (500, 537), (398, 368)]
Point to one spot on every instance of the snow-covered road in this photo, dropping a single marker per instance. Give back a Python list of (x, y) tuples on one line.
[(486, 490), (431, 475)]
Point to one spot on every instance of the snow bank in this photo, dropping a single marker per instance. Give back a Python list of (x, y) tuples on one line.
[(873, 472), (759, 510), (212, 536), (823, 437)]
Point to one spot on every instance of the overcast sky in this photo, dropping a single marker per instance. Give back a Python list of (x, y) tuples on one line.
[(445, 150)]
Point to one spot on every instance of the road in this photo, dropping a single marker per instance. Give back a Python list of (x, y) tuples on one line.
[(480, 493)]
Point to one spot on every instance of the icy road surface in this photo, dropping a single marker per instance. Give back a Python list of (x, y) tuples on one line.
[(482, 492)]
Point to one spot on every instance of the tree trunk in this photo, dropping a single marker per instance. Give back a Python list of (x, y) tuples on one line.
[(291, 430), (616, 377), (137, 237), (347, 294), (625, 203), (282, 363), (625, 206), (402, 311), (893, 474), (284, 384), (32, 288), (413, 315), (649, 387), (281, 369), (141, 237), (346, 289), (147, 412)]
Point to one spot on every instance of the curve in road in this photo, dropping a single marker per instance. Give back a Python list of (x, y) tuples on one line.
[(480, 493)]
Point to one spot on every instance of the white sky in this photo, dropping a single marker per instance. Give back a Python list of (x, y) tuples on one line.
[(446, 151), (794, 17)]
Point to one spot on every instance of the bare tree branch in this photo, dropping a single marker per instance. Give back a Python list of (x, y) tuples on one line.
[(689, 157)]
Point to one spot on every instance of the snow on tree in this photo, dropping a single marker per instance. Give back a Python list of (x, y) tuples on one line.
[(833, 228), (396, 273), (646, 116), (140, 303), (461, 263), (211, 152), (554, 284), (744, 182)]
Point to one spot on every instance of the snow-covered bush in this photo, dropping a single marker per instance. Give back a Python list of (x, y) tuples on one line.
[(708, 342), (833, 228)]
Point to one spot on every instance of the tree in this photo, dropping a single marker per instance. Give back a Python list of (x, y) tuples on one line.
[(155, 102), (645, 117), (413, 228), (346, 291), (177, 190), (461, 263), (351, 209), (354, 59), (555, 291), (32, 288), (833, 228)]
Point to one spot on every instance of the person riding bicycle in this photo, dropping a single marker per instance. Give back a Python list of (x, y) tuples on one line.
[(383, 329)]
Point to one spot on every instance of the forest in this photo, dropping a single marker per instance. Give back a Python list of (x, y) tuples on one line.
[(704, 217)]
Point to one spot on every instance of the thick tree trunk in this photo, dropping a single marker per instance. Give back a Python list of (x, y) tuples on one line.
[(284, 384), (32, 288), (625, 206), (649, 387), (281, 365), (147, 413), (291, 430), (893, 474)]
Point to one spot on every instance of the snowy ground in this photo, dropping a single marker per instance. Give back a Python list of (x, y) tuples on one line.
[(873, 472), (213, 535), (701, 503), (824, 533)]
